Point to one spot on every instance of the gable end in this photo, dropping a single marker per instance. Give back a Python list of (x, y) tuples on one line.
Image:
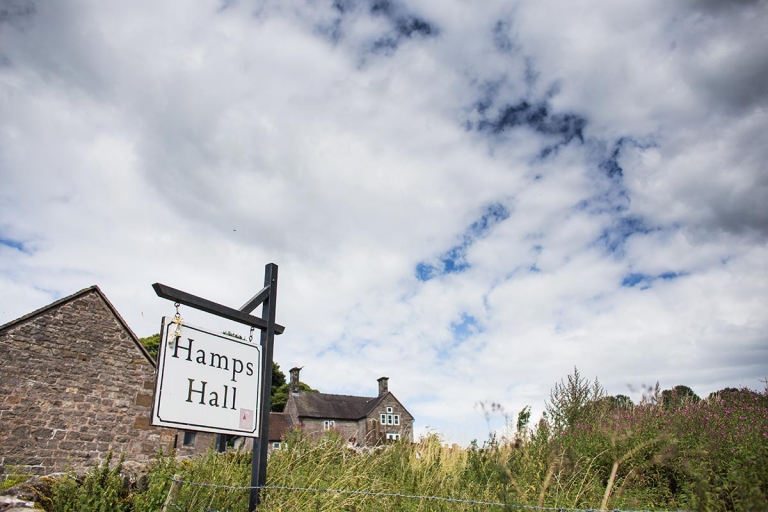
[(70, 298)]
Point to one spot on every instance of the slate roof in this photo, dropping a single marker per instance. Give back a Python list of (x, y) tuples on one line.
[(342, 407), (279, 424)]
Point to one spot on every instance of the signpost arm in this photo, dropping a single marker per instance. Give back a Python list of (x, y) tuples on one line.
[(261, 443), (241, 316)]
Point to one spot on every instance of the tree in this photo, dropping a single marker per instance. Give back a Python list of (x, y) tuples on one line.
[(569, 402), (280, 395), (278, 377), (678, 396), (621, 402), (151, 343), (523, 419), (720, 393)]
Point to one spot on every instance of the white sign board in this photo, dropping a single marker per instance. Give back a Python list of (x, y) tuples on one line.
[(206, 381)]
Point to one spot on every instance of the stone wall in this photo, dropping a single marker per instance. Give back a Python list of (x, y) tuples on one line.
[(203, 441), (349, 429), (74, 385), (405, 427)]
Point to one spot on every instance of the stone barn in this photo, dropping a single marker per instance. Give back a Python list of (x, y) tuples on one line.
[(75, 384)]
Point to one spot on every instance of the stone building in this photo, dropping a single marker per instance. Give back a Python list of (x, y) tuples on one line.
[(364, 421), (75, 384)]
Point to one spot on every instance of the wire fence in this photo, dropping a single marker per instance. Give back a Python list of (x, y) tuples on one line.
[(507, 506)]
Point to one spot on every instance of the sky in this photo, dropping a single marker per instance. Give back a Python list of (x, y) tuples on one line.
[(472, 198)]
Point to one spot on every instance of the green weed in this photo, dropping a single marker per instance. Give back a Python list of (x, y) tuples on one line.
[(599, 452)]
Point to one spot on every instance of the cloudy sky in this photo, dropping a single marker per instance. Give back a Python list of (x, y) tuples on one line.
[(470, 197)]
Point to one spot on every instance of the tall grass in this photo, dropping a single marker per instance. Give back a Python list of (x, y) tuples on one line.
[(426, 469), (709, 455)]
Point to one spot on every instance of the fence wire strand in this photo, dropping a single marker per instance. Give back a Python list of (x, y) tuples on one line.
[(406, 496)]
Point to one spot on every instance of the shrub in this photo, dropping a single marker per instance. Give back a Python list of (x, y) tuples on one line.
[(100, 490), (706, 455)]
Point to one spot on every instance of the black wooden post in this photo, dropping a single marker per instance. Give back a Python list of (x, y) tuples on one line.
[(267, 297), (261, 443)]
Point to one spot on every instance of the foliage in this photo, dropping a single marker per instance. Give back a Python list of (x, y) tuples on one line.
[(278, 378), (12, 478), (620, 402), (708, 455), (681, 453), (280, 388), (151, 343), (150, 495), (716, 394), (100, 490), (568, 401), (425, 468), (523, 419), (678, 395), (280, 395)]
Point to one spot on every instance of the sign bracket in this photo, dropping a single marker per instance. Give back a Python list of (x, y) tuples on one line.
[(256, 300), (267, 298), (241, 316)]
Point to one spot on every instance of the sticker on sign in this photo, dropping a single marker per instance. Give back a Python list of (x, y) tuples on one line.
[(206, 381)]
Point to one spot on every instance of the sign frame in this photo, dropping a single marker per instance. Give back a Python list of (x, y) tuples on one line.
[(160, 408)]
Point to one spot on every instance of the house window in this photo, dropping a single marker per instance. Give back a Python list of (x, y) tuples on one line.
[(189, 438), (393, 436), (328, 424), (389, 410), (276, 445), (390, 419)]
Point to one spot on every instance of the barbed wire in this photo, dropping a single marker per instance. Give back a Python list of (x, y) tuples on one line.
[(400, 495)]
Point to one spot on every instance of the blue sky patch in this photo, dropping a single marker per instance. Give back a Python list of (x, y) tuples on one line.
[(403, 24), (644, 281), (539, 118), (454, 260), (633, 279), (610, 165), (14, 244), (614, 237), (425, 271), (468, 326)]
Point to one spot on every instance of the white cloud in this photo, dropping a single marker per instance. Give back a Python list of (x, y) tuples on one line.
[(191, 145)]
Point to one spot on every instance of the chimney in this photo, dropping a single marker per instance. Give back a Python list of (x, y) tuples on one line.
[(294, 385), (383, 385)]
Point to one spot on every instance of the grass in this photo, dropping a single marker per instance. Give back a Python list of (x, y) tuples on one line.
[(12, 478), (710, 455)]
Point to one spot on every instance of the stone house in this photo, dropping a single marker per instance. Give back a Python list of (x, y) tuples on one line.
[(75, 384), (362, 420)]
